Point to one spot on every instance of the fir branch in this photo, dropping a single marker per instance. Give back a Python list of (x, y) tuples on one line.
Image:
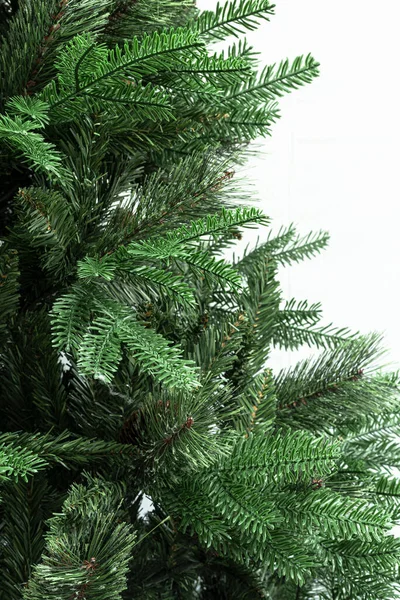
[(290, 336), (284, 456), (215, 224), (18, 50), (146, 102), (176, 245), (91, 267), (70, 316), (194, 509), (86, 68), (385, 491), (232, 18), (24, 454), (218, 70), (241, 48), (64, 20), (259, 400), (275, 82), (173, 286), (340, 405), (45, 222), (378, 557), (157, 357), (128, 19), (218, 346), (36, 152), (89, 522), (336, 516), (212, 268), (100, 349), (312, 377), (285, 248), (26, 106), (260, 302), (301, 248), (245, 509), (290, 558), (375, 438), (300, 312), (261, 252), (173, 197), (25, 508), (242, 123), (359, 584), (16, 462)]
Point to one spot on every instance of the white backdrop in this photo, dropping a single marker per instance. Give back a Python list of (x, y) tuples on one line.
[(332, 162)]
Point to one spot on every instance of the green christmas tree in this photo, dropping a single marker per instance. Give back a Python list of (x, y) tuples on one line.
[(134, 353)]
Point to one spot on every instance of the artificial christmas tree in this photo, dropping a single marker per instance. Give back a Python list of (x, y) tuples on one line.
[(134, 355)]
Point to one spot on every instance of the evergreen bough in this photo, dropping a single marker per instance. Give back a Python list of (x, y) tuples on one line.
[(134, 354)]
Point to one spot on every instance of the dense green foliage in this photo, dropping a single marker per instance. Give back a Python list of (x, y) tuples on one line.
[(134, 353)]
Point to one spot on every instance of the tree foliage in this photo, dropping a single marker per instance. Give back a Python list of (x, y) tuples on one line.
[(134, 350)]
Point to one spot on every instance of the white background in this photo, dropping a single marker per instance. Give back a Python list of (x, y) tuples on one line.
[(332, 162)]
